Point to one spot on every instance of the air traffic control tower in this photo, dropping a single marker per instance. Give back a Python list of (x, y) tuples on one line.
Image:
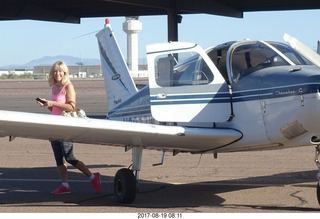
[(132, 26)]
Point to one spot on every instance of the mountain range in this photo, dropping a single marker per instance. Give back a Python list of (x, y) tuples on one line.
[(49, 60)]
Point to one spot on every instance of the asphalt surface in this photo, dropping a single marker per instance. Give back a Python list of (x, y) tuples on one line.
[(280, 181)]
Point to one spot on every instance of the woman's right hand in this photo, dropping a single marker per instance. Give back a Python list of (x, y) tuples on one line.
[(41, 101), (45, 103)]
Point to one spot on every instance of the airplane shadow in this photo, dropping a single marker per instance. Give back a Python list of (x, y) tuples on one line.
[(23, 191), (207, 193)]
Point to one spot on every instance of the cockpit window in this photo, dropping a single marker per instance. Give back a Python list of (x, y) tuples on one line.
[(191, 70), (290, 53), (218, 56), (253, 56)]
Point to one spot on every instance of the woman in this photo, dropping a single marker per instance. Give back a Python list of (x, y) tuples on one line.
[(63, 97)]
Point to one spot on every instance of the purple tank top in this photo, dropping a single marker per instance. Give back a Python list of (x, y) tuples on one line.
[(60, 98)]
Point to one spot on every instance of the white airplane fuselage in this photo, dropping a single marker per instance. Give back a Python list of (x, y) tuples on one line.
[(271, 100)]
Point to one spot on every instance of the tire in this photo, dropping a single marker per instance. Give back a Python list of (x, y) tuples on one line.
[(125, 186), (318, 193)]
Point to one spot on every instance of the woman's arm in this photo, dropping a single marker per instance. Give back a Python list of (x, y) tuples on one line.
[(71, 96)]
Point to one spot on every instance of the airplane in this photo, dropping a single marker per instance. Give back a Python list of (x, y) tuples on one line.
[(246, 95)]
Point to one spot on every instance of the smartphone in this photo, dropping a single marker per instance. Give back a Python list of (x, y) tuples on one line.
[(40, 100)]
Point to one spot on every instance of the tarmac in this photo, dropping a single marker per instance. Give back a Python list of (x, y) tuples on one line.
[(278, 181)]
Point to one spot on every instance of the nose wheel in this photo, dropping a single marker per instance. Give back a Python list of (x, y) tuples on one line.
[(317, 160), (316, 141)]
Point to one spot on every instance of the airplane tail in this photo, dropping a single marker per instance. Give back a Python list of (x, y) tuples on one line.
[(118, 81)]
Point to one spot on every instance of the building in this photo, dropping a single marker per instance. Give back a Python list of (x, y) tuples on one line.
[(76, 71), (83, 71), (16, 73), (79, 71)]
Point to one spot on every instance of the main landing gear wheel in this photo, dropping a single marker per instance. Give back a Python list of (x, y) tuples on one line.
[(318, 193), (125, 186)]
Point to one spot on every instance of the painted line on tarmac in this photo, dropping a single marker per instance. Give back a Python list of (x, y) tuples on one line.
[(246, 184), (47, 180)]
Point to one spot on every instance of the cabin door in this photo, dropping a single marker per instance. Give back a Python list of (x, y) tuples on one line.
[(186, 86)]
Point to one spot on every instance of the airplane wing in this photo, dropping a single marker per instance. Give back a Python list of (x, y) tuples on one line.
[(116, 133)]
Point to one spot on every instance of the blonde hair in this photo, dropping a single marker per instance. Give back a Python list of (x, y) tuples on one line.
[(59, 65)]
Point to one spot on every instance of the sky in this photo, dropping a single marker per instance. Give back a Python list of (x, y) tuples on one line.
[(25, 40)]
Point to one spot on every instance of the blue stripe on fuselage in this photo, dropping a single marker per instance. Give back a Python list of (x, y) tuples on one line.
[(126, 109), (237, 96)]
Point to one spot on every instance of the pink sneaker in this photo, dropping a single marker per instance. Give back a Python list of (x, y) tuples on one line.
[(96, 182), (61, 190)]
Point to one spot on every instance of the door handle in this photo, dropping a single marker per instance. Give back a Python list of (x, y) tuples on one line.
[(161, 96)]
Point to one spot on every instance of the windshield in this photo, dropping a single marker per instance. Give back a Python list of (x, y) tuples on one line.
[(295, 57), (255, 55)]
